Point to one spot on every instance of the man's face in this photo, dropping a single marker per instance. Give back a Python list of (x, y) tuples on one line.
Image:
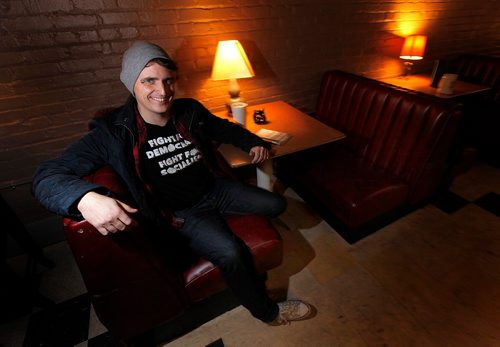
[(154, 91)]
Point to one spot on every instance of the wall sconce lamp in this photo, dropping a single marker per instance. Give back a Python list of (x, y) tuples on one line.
[(231, 63), (413, 49)]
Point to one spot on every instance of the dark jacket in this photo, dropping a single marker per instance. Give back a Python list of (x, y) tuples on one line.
[(113, 139)]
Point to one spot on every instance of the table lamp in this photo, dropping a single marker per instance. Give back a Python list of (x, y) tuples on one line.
[(231, 63), (413, 49)]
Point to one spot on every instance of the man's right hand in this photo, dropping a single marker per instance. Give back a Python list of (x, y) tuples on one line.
[(106, 214)]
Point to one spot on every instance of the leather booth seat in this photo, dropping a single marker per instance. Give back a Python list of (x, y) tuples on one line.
[(481, 120), (393, 158), (479, 69), (138, 288)]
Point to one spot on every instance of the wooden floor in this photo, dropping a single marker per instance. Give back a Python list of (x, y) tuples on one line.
[(430, 279)]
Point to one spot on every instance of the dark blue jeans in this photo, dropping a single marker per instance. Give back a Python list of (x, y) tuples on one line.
[(210, 237)]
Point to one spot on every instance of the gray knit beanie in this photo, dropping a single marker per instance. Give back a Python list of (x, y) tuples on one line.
[(136, 58)]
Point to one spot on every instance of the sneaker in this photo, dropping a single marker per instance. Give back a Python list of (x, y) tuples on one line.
[(292, 310)]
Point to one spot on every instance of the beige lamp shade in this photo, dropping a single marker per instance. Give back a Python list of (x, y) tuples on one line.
[(231, 62), (413, 47)]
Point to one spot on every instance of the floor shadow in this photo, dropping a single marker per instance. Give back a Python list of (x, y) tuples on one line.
[(299, 215), (297, 251)]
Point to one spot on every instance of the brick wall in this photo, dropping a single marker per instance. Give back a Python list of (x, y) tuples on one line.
[(60, 59)]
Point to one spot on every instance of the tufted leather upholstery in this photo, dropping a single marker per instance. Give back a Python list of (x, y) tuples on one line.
[(134, 284), (394, 154), (482, 114), (479, 69)]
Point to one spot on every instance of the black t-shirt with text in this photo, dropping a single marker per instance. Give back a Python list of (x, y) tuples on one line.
[(173, 167)]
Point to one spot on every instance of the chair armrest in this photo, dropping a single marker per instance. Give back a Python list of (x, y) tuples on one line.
[(132, 287)]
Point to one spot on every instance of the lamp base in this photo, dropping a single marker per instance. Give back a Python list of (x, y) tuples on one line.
[(234, 94), (408, 68)]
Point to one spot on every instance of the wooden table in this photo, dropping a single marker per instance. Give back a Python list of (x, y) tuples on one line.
[(422, 83), (306, 132)]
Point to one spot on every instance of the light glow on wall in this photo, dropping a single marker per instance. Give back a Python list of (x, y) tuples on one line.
[(411, 17)]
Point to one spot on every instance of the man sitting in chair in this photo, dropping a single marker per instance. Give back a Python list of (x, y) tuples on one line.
[(162, 148)]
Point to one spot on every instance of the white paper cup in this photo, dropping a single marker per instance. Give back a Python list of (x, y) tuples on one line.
[(239, 110), (447, 83)]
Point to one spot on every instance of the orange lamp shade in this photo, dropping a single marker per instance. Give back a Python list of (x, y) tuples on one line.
[(413, 47), (231, 62)]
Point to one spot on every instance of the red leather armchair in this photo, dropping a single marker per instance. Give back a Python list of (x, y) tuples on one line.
[(138, 292)]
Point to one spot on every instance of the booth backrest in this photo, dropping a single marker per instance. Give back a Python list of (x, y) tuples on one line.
[(403, 134), (480, 69)]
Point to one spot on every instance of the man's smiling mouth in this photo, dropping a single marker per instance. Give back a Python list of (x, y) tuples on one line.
[(162, 99)]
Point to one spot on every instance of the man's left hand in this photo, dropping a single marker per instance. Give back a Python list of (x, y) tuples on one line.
[(259, 154)]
